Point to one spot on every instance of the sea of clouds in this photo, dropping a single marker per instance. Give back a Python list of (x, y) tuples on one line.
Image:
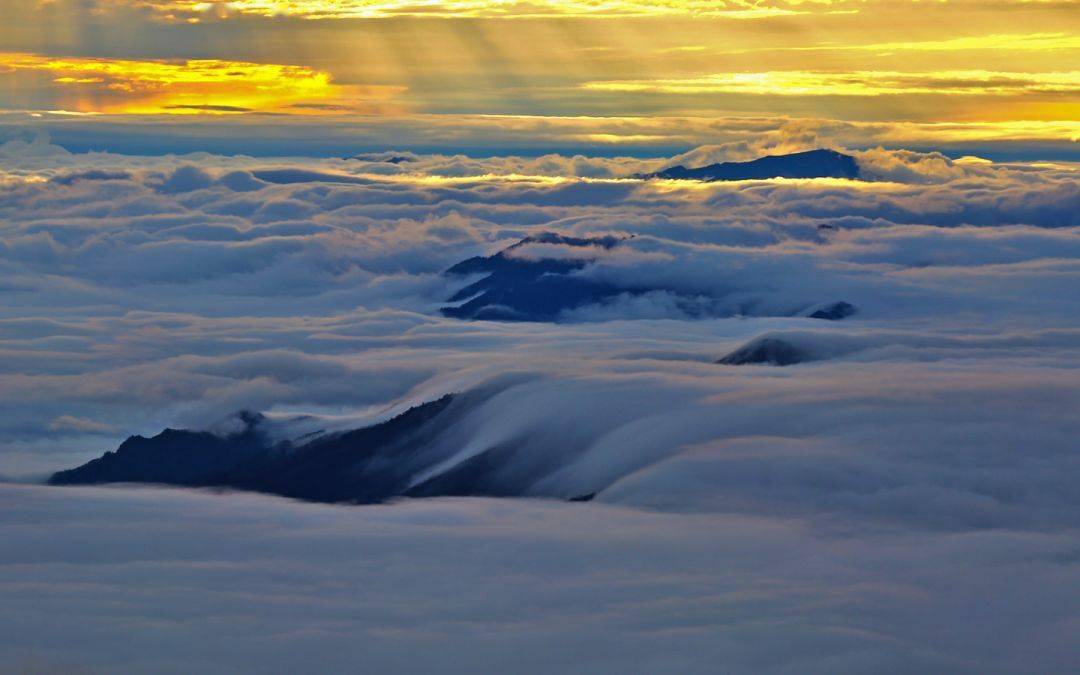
[(905, 503)]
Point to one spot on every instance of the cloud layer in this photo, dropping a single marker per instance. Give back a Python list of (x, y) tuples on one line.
[(901, 503), (234, 583), (142, 284)]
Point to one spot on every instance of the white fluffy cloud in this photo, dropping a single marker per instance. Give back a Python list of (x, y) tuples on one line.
[(232, 583), (125, 276), (901, 504)]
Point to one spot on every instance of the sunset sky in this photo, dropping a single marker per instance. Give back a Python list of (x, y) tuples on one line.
[(540, 336), (608, 77)]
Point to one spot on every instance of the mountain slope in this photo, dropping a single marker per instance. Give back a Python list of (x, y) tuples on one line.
[(544, 276), (366, 465), (518, 287), (175, 457)]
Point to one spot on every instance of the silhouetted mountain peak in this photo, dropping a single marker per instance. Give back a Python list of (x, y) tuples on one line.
[(385, 157), (767, 351), (250, 418), (834, 311)]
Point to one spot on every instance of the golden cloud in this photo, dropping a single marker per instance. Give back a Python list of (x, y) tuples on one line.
[(193, 86), (1004, 42), (1036, 42), (854, 83), (196, 10)]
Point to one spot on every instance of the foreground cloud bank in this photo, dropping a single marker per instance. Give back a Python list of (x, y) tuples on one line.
[(922, 456), (242, 583)]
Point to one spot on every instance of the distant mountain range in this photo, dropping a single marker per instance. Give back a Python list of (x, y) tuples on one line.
[(812, 164)]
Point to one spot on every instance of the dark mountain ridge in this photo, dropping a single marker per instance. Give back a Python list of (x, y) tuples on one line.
[(409, 455), (820, 163), (175, 456), (519, 288), (542, 286), (767, 351), (365, 465)]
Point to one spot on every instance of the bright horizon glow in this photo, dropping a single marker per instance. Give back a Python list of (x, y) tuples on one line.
[(199, 10), (962, 69), (857, 83), (509, 9), (539, 336)]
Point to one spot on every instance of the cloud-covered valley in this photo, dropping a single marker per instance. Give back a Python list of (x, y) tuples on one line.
[(863, 508)]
